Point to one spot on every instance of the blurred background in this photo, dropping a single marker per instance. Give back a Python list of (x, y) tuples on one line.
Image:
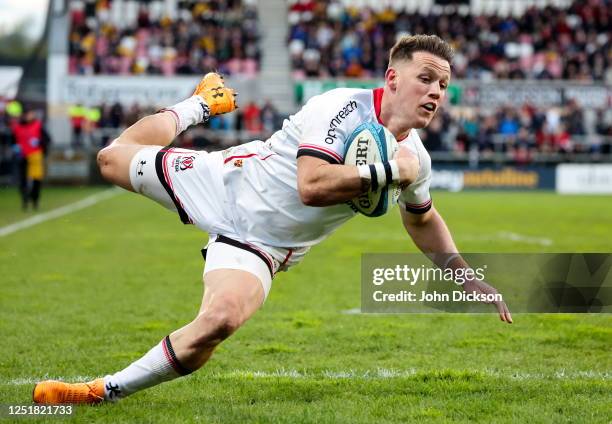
[(528, 106)]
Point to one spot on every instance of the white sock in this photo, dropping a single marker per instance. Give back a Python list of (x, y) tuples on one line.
[(189, 112), (156, 366)]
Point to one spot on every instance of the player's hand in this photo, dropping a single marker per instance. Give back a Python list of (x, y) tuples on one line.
[(477, 286), (219, 98), (408, 164)]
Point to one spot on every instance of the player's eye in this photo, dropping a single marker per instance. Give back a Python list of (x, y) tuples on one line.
[(443, 85), (425, 79)]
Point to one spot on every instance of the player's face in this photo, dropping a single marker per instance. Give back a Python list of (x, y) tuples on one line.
[(420, 86)]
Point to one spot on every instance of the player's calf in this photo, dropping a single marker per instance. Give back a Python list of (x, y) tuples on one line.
[(196, 341)]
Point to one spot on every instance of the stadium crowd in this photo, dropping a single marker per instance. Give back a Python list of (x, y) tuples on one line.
[(96, 126), (329, 39), (526, 130), (521, 132), (145, 37)]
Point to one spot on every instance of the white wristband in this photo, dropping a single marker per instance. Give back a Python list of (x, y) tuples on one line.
[(364, 172), (380, 174), (395, 175), (189, 112)]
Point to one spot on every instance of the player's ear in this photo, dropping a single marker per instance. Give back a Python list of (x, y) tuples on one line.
[(391, 78)]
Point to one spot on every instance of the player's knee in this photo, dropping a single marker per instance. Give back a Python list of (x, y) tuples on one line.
[(219, 321), (106, 161)]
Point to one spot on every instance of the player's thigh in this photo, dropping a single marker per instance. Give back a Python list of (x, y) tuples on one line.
[(235, 271), (233, 290), (114, 162)]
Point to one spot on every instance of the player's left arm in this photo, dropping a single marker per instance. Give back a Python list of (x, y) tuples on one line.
[(432, 237)]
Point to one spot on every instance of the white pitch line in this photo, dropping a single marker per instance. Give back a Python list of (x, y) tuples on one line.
[(352, 311), (374, 374), (509, 235), (27, 381), (384, 373), (56, 213)]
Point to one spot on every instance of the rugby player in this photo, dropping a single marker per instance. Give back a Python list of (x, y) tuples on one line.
[(265, 203)]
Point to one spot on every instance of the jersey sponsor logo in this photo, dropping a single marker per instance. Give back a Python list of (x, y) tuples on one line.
[(182, 163), (337, 120)]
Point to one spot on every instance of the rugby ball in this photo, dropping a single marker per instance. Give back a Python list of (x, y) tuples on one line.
[(371, 143)]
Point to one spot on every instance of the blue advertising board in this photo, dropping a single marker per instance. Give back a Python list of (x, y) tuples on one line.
[(457, 178)]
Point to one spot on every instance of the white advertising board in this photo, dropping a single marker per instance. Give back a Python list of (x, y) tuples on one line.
[(584, 178)]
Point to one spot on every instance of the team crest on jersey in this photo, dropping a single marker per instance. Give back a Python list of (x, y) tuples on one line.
[(182, 163), (238, 163)]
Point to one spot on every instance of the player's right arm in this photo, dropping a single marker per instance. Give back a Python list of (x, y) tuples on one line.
[(323, 184)]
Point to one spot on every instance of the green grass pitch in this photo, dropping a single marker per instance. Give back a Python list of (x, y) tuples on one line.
[(87, 293)]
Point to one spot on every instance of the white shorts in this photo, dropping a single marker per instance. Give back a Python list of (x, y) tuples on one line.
[(225, 253), (224, 250)]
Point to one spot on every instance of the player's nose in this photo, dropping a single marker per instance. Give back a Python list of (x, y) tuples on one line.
[(434, 91)]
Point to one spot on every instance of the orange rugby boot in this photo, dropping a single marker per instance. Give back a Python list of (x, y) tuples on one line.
[(57, 392), (219, 98)]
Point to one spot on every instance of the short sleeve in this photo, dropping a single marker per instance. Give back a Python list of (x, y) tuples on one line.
[(416, 197), (325, 126)]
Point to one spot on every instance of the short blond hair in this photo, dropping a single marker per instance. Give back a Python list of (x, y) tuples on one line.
[(409, 44)]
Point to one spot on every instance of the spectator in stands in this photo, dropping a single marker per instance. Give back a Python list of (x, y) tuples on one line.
[(520, 131), (269, 117), (77, 120), (251, 118), (544, 43), (193, 38), (508, 125), (573, 119), (603, 129), (31, 143), (433, 135)]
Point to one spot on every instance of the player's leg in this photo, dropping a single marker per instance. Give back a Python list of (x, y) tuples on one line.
[(115, 159), (211, 97), (231, 297)]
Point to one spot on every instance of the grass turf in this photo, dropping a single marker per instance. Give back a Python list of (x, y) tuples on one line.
[(86, 294)]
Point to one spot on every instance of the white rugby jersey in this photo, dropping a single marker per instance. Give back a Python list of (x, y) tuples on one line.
[(260, 177)]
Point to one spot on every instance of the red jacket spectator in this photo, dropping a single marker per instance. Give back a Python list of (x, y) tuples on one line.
[(28, 135), (252, 118)]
